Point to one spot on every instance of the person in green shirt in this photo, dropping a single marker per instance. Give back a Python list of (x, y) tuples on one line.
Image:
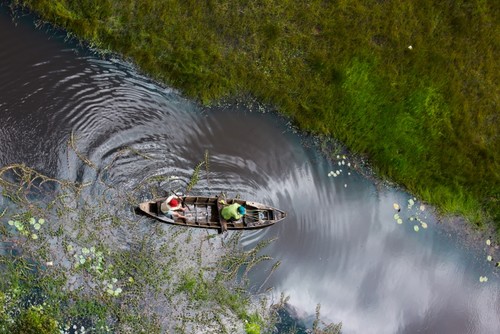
[(233, 211)]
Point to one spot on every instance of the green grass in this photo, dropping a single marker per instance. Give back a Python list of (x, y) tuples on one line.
[(427, 117)]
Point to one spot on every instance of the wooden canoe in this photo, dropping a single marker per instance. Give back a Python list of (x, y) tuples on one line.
[(204, 212)]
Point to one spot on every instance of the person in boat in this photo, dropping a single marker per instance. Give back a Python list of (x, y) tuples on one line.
[(171, 207), (233, 212)]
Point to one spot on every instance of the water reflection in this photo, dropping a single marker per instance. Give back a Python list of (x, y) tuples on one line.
[(340, 245)]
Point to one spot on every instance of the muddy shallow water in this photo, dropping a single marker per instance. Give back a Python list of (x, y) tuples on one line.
[(340, 246)]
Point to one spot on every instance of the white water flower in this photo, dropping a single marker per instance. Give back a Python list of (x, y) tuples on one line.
[(424, 225), (488, 242), (422, 207), (410, 203), (396, 206), (410, 47), (483, 279), (50, 263)]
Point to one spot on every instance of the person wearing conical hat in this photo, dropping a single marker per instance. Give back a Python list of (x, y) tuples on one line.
[(233, 212)]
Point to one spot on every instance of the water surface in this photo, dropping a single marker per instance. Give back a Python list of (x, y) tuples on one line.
[(340, 245)]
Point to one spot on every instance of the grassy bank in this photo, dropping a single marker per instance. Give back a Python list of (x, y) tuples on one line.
[(411, 84)]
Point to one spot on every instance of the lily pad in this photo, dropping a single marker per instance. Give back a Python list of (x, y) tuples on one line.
[(416, 228), (400, 221), (37, 226), (41, 221), (396, 216), (32, 221), (424, 225), (489, 258), (488, 242), (11, 223), (34, 236)]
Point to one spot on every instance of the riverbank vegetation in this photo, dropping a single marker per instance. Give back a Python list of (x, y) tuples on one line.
[(413, 85)]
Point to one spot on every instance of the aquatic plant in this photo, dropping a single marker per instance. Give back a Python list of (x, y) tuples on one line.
[(83, 276)]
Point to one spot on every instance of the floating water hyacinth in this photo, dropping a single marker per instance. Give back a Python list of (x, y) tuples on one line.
[(411, 202), (416, 228), (483, 279)]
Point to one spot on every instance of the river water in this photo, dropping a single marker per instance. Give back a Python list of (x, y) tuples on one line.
[(340, 245)]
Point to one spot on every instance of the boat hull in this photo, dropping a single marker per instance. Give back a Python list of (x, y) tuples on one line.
[(204, 212)]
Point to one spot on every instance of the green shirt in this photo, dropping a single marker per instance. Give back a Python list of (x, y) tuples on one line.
[(231, 211)]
